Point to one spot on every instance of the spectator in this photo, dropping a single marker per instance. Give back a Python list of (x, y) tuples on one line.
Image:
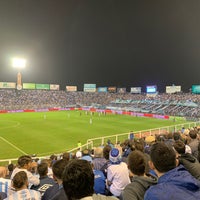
[(5, 184), (10, 169), (169, 139), (140, 181), (177, 136), (194, 143), (20, 184), (98, 161), (187, 160), (140, 146), (45, 181), (118, 145), (78, 154), (66, 156), (110, 143), (78, 181), (149, 141), (48, 162), (79, 144), (24, 164), (56, 192), (117, 173), (33, 169), (99, 181), (173, 182), (3, 195), (53, 159), (106, 151), (128, 146), (86, 155)]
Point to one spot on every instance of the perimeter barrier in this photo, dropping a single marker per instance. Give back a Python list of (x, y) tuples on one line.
[(139, 134), (94, 142)]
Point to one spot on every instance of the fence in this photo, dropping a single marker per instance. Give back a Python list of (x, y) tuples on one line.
[(120, 137), (139, 134)]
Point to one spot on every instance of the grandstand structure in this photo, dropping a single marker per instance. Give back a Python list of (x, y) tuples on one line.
[(185, 105), (182, 104)]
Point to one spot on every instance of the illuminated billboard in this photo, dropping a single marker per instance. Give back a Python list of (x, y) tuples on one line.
[(7, 85), (112, 89), (89, 87), (29, 86), (173, 89), (151, 89), (136, 90), (102, 89), (70, 88), (196, 89)]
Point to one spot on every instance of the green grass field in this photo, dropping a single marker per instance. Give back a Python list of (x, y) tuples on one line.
[(55, 132)]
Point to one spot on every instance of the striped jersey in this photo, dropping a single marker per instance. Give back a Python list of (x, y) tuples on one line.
[(5, 185), (25, 194)]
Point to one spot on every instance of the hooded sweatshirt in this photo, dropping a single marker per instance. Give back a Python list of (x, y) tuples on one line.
[(137, 188), (191, 164), (176, 184)]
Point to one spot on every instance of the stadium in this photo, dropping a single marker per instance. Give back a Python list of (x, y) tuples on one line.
[(40, 119), (99, 100)]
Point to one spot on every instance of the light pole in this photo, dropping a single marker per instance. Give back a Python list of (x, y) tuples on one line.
[(19, 63)]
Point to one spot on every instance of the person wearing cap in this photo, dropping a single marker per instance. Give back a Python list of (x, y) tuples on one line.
[(117, 173), (149, 140)]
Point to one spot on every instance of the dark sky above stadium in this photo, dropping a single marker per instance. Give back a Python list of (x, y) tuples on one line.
[(123, 43)]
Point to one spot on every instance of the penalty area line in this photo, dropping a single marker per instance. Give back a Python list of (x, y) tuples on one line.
[(15, 147)]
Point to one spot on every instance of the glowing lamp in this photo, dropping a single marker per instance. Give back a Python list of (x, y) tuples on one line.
[(19, 63)]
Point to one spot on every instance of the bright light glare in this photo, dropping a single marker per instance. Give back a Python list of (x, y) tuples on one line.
[(19, 63)]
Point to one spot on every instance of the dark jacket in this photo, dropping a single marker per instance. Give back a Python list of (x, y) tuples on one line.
[(194, 145), (191, 164), (56, 192), (137, 188), (45, 183), (176, 184)]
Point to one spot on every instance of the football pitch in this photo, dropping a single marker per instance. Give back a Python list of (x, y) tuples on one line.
[(46, 133)]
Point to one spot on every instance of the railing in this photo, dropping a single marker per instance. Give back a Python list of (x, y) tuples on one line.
[(120, 137), (139, 134)]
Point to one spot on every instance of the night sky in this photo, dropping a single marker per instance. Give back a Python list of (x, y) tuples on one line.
[(108, 42)]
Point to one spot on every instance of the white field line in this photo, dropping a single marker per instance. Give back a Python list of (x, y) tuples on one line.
[(15, 147)]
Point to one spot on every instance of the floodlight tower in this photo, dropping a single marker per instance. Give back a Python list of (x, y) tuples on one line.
[(19, 63)]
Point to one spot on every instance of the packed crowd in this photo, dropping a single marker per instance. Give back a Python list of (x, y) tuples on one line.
[(152, 168), (183, 104)]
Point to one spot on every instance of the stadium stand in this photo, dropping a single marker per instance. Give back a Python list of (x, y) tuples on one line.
[(182, 104)]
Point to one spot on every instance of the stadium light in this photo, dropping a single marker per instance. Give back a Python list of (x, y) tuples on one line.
[(19, 63)]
